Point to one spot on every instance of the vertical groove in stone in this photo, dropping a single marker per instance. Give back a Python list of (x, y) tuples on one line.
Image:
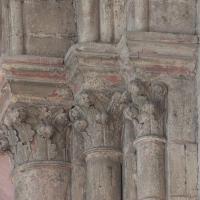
[(5, 38), (141, 15), (88, 20), (16, 19)]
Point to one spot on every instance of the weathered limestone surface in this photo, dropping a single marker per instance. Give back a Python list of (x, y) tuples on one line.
[(97, 120), (103, 175), (53, 182), (49, 27), (17, 34), (172, 16), (88, 20), (5, 34), (117, 118), (38, 141), (142, 15), (7, 188)]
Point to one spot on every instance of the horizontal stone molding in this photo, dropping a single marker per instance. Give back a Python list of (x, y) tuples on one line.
[(42, 164), (103, 152), (154, 139)]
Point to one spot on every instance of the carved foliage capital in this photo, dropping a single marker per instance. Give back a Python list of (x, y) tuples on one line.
[(98, 117), (148, 108), (35, 133)]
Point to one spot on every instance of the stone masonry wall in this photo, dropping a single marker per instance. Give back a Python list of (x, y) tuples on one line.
[(49, 27)]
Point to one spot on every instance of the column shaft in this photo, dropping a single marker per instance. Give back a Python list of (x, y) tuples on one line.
[(150, 169), (88, 20), (16, 18), (106, 20), (103, 176), (44, 180), (119, 18), (141, 15)]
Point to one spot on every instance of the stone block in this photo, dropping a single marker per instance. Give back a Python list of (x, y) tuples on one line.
[(176, 169), (49, 27), (55, 17), (181, 124), (47, 46), (173, 16), (183, 170)]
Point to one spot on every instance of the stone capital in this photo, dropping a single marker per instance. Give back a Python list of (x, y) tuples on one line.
[(36, 133), (98, 117), (148, 108)]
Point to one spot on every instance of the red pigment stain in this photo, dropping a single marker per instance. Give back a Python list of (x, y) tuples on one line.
[(113, 79), (169, 70), (39, 74)]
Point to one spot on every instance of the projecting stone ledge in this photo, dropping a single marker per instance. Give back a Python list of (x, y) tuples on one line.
[(35, 79), (157, 53)]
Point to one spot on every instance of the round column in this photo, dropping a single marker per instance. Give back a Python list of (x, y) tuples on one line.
[(106, 20), (16, 27), (42, 180), (39, 141), (103, 174), (141, 15), (88, 20), (150, 168)]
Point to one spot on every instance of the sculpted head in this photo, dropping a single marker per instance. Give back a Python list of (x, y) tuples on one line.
[(15, 115), (61, 119), (75, 113), (45, 131), (159, 90), (135, 88), (148, 108), (80, 125), (125, 97), (4, 143), (85, 99)]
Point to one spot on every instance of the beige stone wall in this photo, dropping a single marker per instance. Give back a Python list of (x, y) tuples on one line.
[(49, 27), (173, 16)]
